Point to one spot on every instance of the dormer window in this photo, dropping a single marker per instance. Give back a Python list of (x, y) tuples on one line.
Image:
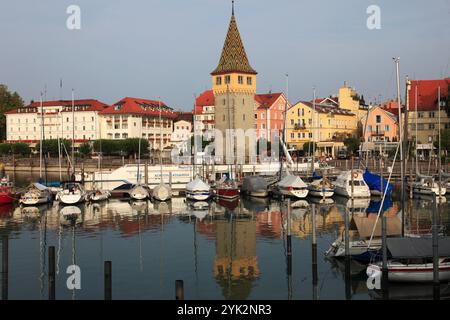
[(117, 108)]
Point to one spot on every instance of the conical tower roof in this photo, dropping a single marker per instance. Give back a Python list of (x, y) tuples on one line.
[(233, 58)]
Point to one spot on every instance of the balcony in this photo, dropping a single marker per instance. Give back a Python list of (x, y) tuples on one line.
[(377, 133), (298, 126)]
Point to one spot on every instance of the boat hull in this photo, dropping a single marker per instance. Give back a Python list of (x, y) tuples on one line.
[(228, 193), (413, 273), (71, 199), (363, 193), (6, 197), (327, 193), (197, 196)]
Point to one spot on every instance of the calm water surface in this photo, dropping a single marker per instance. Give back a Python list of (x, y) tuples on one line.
[(228, 251)]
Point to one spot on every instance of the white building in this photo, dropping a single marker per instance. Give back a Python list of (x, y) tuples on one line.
[(134, 118), (204, 111), (182, 128), (59, 120)]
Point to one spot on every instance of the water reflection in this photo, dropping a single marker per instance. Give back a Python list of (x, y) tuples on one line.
[(230, 250)]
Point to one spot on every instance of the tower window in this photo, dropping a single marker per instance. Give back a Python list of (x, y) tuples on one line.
[(249, 81), (240, 79), (218, 81), (223, 118), (227, 79), (243, 117)]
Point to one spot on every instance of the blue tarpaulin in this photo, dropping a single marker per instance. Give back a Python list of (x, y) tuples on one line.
[(373, 181), (374, 206)]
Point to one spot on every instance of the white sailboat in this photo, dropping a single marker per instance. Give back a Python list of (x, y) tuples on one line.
[(293, 186), (322, 188), (98, 194), (161, 192), (198, 190), (72, 193), (343, 185), (36, 194), (139, 191)]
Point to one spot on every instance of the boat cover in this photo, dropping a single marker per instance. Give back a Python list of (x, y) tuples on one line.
[(292, 181), (38, 186), (373, 181), (374, 206), (254, 183), (417, 247), (197, 185), (365, 226)]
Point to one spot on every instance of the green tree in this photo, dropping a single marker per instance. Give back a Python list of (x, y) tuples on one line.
[(131, 146), (85, 149), (309, 147), (5, 149), (352, 144), (51, 146), (8, 101), (20, 148)]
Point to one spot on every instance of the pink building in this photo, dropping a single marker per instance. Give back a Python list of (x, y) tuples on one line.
[(381, 125), (269, 113)]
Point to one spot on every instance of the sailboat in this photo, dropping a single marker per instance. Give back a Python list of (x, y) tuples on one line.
[(139, 191), (72, 193), (321, 187), (227, 188), (198, 190), (36, 194), (98, 194), (161, 192)]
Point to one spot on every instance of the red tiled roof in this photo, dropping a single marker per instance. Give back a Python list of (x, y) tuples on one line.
[(205, 99), (92, 104), (186, 116), (266, 100), (427, 93), (139, 106), (326, 100)]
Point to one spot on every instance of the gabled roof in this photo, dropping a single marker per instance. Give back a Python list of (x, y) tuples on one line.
[(327, 108), (139, 106), (328, 100), (427, 94), (266, 101), (385, 111), (233, 58), (206, 99), (184, 116)]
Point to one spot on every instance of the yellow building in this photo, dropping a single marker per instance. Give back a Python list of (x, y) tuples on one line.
[(350, 100), (326, 124)]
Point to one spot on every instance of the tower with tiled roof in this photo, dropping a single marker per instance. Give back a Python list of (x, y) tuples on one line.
[(234, 85)]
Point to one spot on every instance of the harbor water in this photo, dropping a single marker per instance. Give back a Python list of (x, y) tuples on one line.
[(223, 251)]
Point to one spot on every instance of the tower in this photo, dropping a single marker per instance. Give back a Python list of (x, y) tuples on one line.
[(234, 86)]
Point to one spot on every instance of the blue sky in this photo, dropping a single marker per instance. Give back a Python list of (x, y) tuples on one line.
[(167, 48)]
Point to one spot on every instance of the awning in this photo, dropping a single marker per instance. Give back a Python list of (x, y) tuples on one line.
[(417, 247), (365, 226)]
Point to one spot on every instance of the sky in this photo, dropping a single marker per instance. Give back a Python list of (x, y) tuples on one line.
[(167, 48)]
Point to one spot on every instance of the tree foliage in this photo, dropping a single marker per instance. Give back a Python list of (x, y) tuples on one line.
[(352, 144), (85, 149), (8, 101), (14, 148), (51, 146), (309, 147), (125, 147)]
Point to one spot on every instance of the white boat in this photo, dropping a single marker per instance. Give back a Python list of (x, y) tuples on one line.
[(198, 190), (255, 186), (322, 188), (99, 195), (139, 192), (72, 193), (343, 185), (293, 186), (411, 260), (426, 185), (36, 194), (162, 192)]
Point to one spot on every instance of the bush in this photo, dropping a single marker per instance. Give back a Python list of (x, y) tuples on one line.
[(352, 144), (85, 149), (20, 149), (51, 146), (125, 147), (5, 148)]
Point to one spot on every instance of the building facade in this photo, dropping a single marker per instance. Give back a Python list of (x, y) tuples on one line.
[(59, 119), (204, 111), (134, 118), (269, 114), (182, 129), (381, 125)]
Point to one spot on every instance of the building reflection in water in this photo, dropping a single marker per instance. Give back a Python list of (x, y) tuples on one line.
[(235, 262)]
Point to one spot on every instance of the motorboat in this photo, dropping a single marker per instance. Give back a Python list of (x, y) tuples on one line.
[(198, 190), (99, 195), (426, 185), (36, 194), (411, 260), (6, 190), (227, 189), (292, 186), (72, 193), (343, 185), (255, 186)]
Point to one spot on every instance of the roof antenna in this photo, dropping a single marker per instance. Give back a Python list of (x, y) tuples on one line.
[(232, 7)]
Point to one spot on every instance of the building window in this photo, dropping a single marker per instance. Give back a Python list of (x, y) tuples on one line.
[(227, 79), (117, 136), (263, 126), (262, 116), (240, 79), (310, 135), (370, 128), (431, 126), (378, 119), (218, 81), (420, 126), (432, 114), (298, 135), (386, 128), (292, 135), (292, 122), (420, 115), (256, 116), (67, 119), (249, 81)]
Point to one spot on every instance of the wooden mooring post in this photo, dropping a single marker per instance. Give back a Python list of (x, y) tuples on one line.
[(314, 252), (51, 273), (179, 290), (5, 258), (108, 280)]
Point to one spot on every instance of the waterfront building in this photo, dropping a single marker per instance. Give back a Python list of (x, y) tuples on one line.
[(380, 125), (182, 128), (326, 124), (204, 111), (134, 118), (25, 124), (427, 113), (234, 87), (269, 114)]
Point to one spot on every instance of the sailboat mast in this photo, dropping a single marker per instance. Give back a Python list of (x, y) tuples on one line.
[(415, 108), (284, 127), (73, 133), (439, 135), (229, 131), (59, 150), (41, 137), (160, 140), (138, 178), (314, 131)]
